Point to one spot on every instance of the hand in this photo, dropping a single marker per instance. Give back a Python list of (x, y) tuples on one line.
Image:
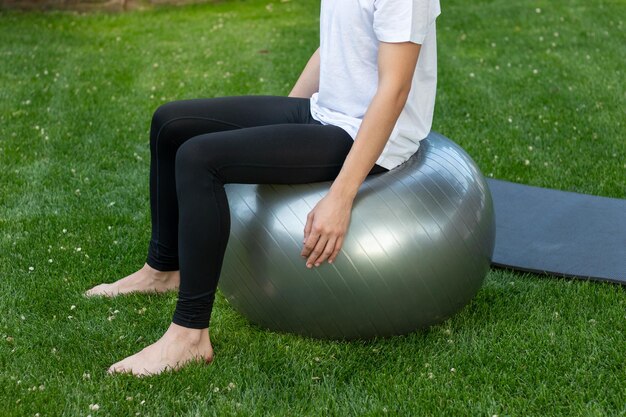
[(326, 226)]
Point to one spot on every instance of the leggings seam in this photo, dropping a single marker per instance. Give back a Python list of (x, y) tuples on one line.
[(158, 238)]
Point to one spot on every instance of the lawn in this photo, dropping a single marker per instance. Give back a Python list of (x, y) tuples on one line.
[(533, 90)]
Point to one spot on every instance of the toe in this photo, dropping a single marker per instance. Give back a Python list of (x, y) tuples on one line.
[(97, 290), (104, 290), (118, 367)]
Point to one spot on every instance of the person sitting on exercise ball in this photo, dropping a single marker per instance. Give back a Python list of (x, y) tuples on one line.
[(361, 105)]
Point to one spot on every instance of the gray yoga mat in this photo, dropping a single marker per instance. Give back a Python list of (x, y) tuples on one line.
[(561, 233)]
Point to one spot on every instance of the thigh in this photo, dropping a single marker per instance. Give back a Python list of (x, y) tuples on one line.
[(277, 154), (193, 117)]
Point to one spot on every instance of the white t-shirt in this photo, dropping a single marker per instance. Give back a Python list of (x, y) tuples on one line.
[(350, 31)]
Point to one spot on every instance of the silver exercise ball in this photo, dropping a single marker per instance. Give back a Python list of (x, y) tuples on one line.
[(418, 247)]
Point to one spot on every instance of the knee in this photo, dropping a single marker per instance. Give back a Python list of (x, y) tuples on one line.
[(162, 120), (193, 159), (163, 114)]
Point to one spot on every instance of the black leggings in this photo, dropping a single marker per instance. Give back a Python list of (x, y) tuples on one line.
[(199, 145)]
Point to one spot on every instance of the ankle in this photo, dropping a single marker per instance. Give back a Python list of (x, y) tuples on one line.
[(159, 276), (188, 335)]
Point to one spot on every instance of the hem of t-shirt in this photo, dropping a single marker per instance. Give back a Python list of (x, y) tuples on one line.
[(317, 114), (396, 38), (390, 162)]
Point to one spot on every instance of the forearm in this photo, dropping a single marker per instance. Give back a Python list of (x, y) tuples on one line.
[(376, 127), (396, 66), (309, 80)]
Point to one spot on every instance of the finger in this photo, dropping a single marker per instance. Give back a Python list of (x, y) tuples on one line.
[(309, 244), (338, 246), (328, 250), (307, 226), (317, 251)]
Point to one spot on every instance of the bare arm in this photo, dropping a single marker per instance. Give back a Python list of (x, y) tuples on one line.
[(309, 81), (328, 222), (396, 66)]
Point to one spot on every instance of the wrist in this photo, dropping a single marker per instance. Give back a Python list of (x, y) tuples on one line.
[(342, 193)]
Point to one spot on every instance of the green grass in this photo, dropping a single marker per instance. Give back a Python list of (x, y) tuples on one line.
[(534, 97)]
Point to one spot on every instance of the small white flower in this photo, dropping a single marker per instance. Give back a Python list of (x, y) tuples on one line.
[(72, 307), (537, 10), (50, 260), (30, 268), (64, 230), (78, 249), (94, 407), (471, 74), (452, 369), (526, 162)]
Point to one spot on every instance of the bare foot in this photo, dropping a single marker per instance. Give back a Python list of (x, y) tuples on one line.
[(177, 347), (147, 279)]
